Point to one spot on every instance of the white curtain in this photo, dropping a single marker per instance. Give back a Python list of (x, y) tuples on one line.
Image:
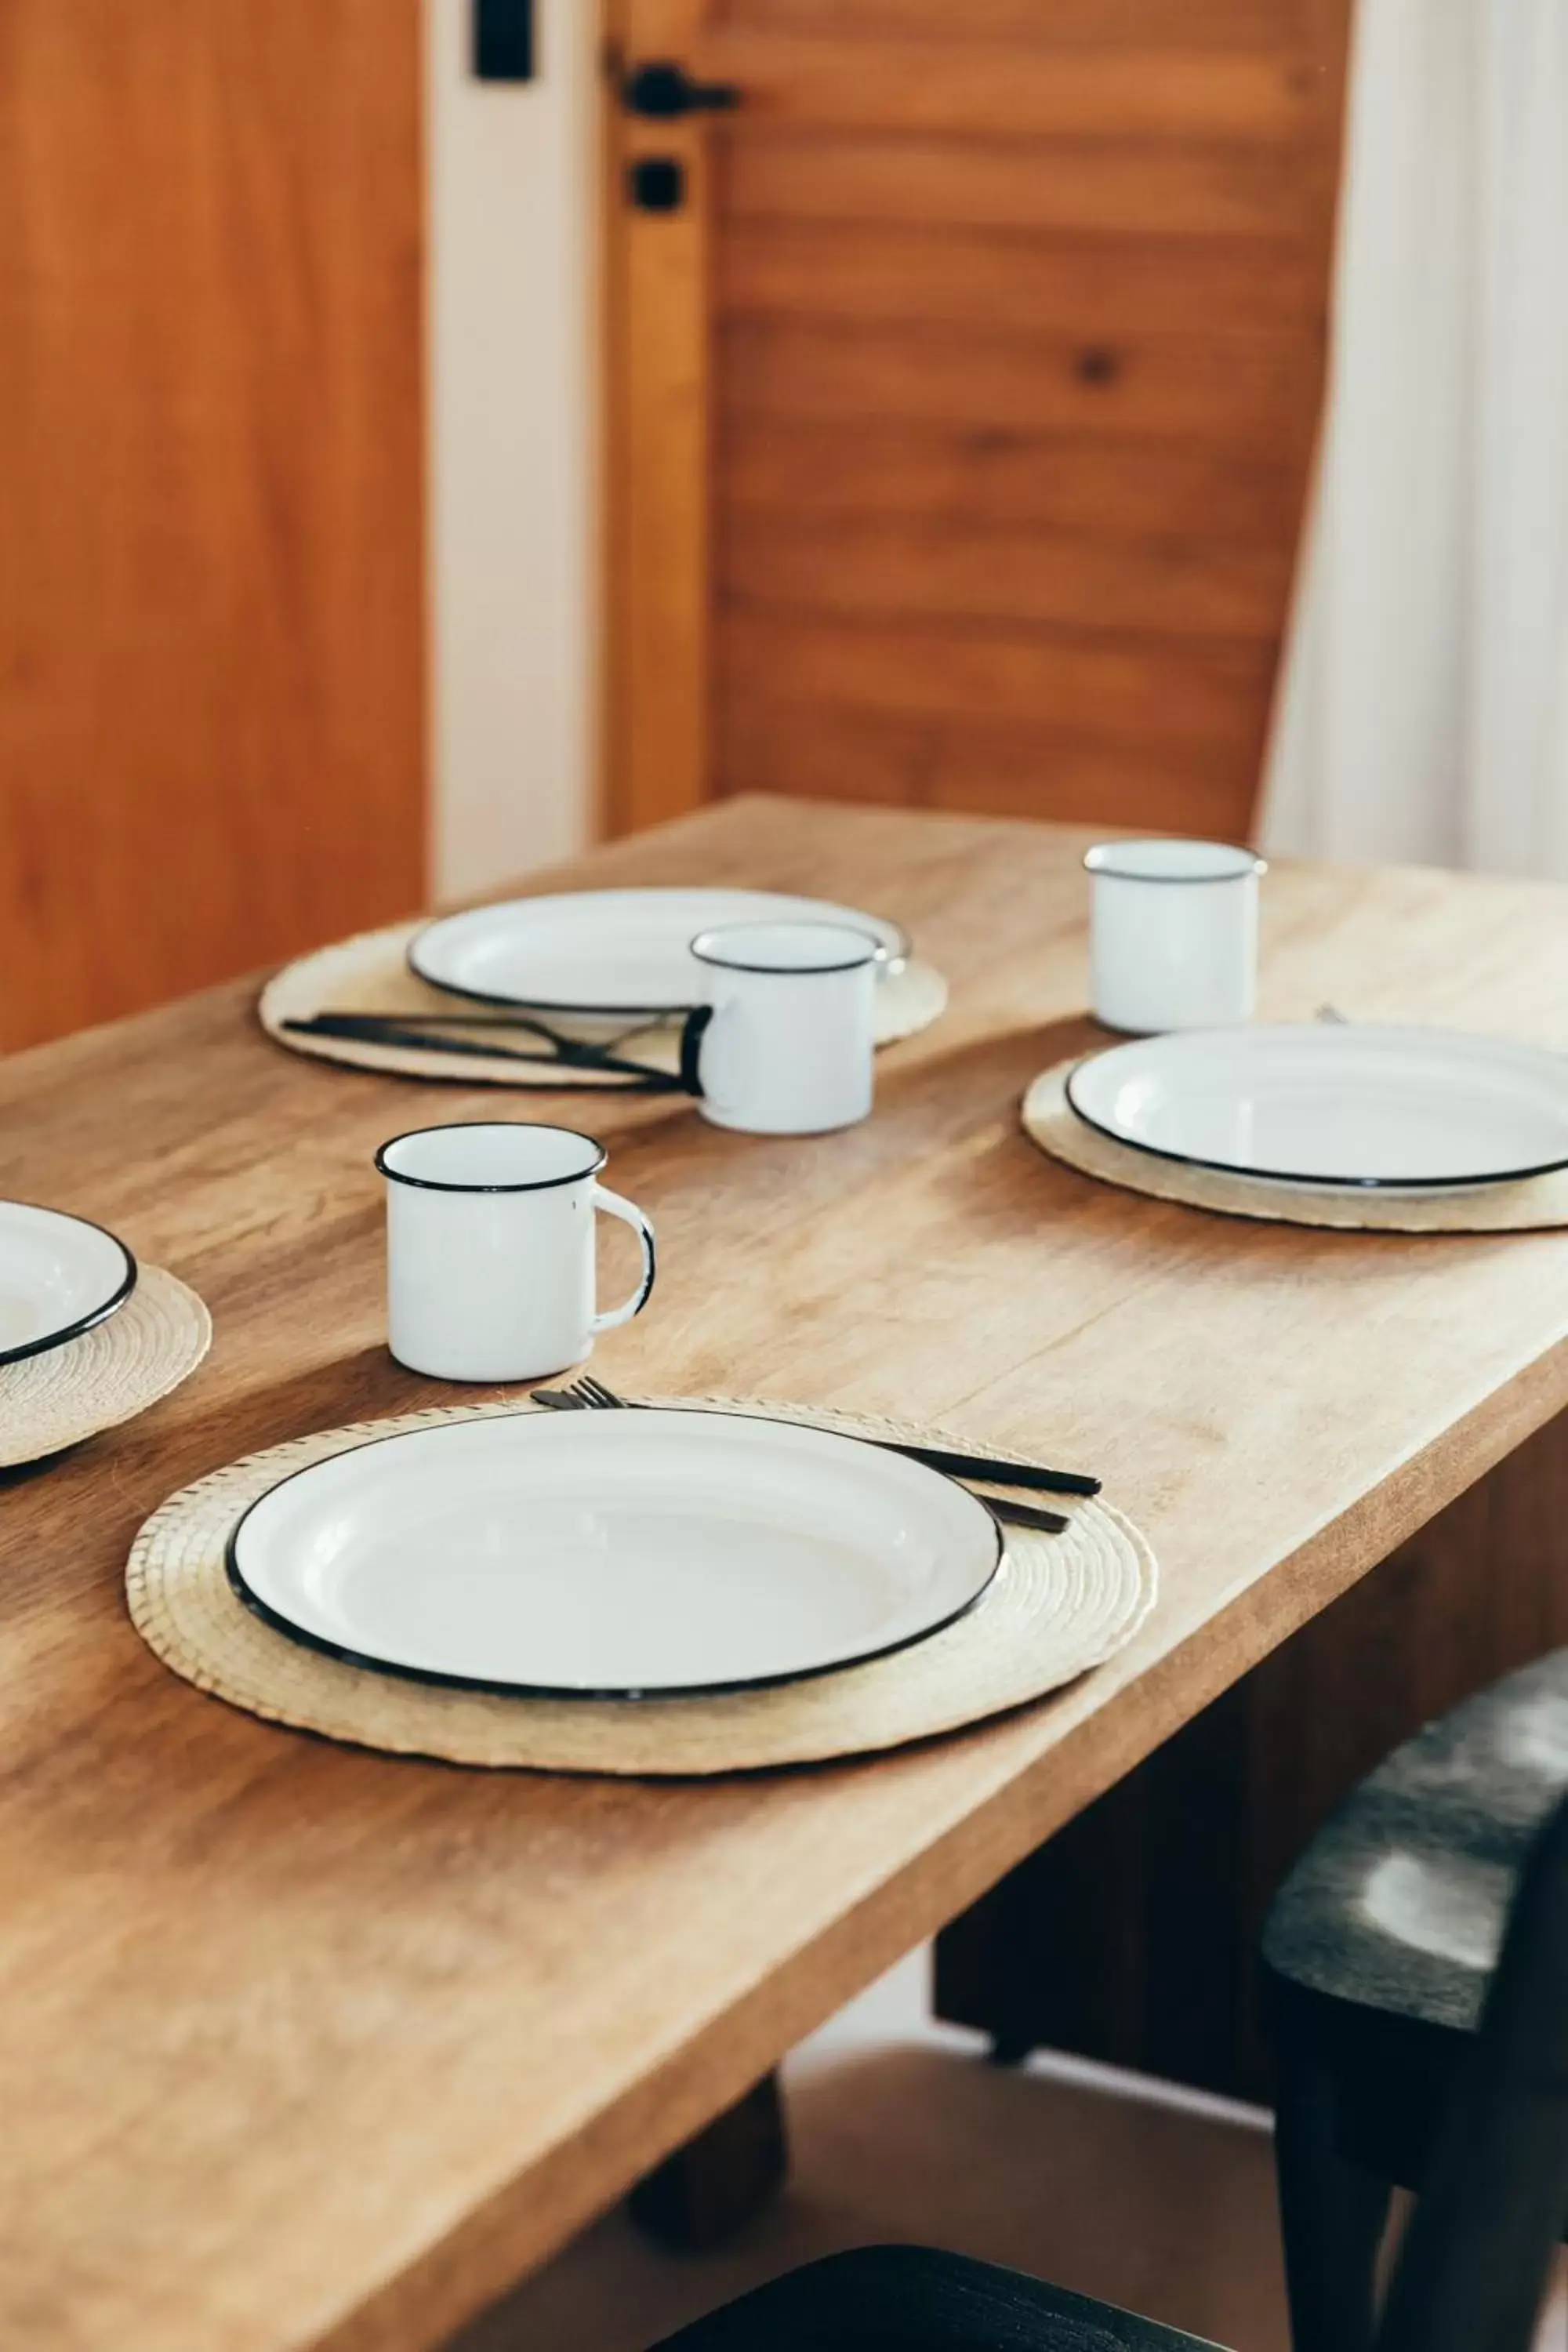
[(1424, 707)]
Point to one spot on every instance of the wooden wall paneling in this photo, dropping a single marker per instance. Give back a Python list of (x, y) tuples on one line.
[(1132, 1935), (211, 465)]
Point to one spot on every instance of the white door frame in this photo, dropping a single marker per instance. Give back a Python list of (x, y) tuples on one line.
[(512, 310)]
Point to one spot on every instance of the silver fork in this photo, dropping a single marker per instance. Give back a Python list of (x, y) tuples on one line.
[(585, 1395), (586, 1390)]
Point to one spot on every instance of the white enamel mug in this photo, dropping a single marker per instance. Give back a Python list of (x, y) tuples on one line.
[(786, 1043), (490, 1249), (1173, 934)]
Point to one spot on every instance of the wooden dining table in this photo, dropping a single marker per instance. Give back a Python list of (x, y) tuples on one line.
[(303, 2046)]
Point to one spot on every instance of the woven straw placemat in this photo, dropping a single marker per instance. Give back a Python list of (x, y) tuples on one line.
[(112, 1373), (1060, 1604), (371, 975), (1049, 1120)]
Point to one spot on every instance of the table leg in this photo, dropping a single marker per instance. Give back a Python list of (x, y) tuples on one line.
[(718, 2181)]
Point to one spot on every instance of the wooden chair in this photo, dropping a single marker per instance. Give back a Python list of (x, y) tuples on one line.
[(1377, 1954), (1473, 2267)]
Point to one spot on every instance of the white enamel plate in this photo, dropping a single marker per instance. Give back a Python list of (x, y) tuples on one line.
[(1328, 1103), (58, 1276), (615, 951), (614, 1554)]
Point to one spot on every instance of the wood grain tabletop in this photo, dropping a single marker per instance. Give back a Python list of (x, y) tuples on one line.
[(302, 2047)]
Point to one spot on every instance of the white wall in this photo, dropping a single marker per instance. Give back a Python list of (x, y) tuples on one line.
[(513, 373)]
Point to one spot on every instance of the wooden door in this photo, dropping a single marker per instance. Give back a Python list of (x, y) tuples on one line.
[(962, 399), (211, 465)]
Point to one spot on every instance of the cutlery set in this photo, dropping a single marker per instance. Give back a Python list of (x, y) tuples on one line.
[(589, 1395), (419, 1032)]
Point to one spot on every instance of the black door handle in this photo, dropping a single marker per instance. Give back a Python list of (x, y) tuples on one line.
[(663, 91)]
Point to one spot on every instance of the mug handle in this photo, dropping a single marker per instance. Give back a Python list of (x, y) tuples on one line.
[(692, 1034), (630, 1214)]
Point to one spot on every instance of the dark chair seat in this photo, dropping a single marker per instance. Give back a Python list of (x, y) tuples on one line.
[(1378, 1951), (913, 2299)]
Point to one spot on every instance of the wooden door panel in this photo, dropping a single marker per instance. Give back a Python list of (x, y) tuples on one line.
[(1086, 285), (829, 752), (1171, 386), (211, 610), (777, 470), (1054, 24), (1129, 692), (1139, 187), (954, 572), (953, 87), (658, 281), (1014, 349)]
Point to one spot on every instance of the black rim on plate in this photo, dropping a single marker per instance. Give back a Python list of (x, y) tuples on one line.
[(895, 958), (447, 1681), (1289, 1176), (99, 1314)]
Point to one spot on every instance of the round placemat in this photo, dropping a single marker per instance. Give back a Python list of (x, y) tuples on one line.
[(1059, 1605), (1535, 1204), (112, 1373), (371, 975)]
